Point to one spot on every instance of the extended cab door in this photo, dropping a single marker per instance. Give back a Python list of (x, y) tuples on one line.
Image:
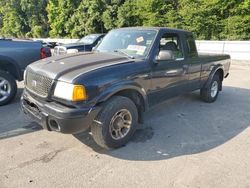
[(168, 77), (194, 64)]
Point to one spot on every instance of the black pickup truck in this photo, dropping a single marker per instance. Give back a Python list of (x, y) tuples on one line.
[(109, 89)]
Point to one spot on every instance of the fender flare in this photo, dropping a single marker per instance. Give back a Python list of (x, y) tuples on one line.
[(120, 86), (214, 70), (17, 70)]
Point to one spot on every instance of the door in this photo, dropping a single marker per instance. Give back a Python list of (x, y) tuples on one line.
[(169, 77), (194, 63)]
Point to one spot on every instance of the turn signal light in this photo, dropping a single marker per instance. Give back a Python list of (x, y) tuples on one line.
[(79, 93)]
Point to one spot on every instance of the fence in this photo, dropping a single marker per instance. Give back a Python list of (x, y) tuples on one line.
[(238, 50)]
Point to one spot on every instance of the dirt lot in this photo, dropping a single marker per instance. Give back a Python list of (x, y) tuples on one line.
[(183, 143)]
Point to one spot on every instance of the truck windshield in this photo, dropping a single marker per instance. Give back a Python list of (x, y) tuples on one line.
[(133, 43)]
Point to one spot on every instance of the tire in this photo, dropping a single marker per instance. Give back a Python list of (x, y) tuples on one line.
[(8, 88), (210, 93), (104, 127)]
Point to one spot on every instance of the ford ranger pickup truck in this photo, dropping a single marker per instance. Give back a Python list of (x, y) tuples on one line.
[(15, 55), (108, 90)]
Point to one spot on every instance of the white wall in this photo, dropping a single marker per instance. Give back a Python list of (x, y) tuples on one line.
[(238, 50)]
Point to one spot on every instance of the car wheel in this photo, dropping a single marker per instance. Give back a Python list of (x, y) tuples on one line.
[(8, 88), (210, 93), (115, 123)]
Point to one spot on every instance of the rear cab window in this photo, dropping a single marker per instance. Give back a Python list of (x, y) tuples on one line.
[(191, 46)]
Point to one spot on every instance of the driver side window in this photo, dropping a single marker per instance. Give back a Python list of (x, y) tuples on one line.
[(171, 42)]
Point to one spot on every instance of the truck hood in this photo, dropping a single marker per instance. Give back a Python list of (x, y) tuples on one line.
[(80, 63)]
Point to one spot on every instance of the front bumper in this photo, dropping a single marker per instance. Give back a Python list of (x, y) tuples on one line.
[(53, 116)]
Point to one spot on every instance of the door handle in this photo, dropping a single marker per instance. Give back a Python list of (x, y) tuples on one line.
[(176, 72), (173, 72)]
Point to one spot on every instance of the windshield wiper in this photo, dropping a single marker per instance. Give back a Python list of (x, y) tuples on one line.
[(120, 51)]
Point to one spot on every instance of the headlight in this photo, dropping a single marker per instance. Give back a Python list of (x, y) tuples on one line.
[(72, 51), (70, 92)]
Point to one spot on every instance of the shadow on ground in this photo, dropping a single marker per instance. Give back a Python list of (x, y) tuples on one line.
[(183, 126), (12, 119), (180, 126)]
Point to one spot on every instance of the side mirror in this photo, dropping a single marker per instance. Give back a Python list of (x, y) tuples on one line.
[(165, 55)]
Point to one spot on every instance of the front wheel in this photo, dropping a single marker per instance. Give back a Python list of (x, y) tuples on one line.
[(8, 88), (210, 93), (115, 123)]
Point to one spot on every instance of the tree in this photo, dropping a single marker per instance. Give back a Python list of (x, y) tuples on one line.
[(236, 20), (128, 14), (149, 13), (13, 22), (24, 18), (59, 13), (110, 14), (202, 18), (214, 19), (86, 19), (1, 14), (35, 15)]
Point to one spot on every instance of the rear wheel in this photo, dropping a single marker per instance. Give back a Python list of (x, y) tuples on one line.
[(210, 93), (116, 123), (8, 88)]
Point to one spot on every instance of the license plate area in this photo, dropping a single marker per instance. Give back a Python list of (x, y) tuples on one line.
[(33, 109)]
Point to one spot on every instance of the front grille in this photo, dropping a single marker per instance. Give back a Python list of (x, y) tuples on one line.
[(38, 84)]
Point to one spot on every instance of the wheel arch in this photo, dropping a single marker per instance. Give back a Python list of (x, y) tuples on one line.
[(220, 72), (219, 69), (132, 91), (10, 66)]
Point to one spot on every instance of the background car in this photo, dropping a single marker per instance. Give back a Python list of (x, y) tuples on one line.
[(85, 44), (51, 45)]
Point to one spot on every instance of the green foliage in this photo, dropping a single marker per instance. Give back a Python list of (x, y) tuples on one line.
[(22, 18), (86, 19), (209, 20), (110, 15), (35, 17), (202, 18), (237, 25), (128, 14), (12, 22), (59, 13)]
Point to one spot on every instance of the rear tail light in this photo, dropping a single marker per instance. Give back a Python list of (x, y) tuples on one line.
[(45, 53)]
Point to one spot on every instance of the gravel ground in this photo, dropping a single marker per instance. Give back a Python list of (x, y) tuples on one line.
[(183, 143)]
